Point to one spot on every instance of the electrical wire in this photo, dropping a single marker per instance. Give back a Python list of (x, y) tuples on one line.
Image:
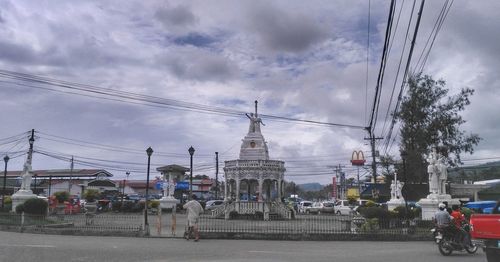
[(129, 97)]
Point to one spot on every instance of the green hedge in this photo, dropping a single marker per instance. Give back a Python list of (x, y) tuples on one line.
[(35, 206)]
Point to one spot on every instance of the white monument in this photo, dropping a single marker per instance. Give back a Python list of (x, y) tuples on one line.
[(396, 196), (438, 175), (25, 193), (171, 175), (254, 182)]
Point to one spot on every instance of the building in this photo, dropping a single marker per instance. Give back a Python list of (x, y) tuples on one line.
[(47, 182)]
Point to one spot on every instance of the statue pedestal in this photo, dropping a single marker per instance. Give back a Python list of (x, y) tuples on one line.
[(168, 202), (393, 203), (430, 204), (20, 196)]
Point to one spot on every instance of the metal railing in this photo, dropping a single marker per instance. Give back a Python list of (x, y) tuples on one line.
[(317, 224), (107, 222), (301, 227)]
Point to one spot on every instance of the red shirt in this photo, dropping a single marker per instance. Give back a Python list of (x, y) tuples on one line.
[(458, 218)]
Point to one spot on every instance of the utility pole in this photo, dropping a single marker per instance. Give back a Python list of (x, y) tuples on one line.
[(70, 176), (216, 175), (372, 139), (339, 174)]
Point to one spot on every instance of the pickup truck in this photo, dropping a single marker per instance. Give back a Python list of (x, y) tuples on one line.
[(486, 228)]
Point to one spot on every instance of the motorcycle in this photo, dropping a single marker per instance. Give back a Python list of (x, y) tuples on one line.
[(450, 241)]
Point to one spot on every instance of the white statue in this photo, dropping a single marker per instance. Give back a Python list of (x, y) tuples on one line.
[(26, 177), (432, 169), (396, 187), (393, 189), (255, 122), (399, 187), (443, 174)]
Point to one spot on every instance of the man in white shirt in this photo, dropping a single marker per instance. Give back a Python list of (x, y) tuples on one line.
[(194, 209)]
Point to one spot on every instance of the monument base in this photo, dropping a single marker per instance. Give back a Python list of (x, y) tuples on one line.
[(430, 204), (20, 197), (168, 202), (393, 203)]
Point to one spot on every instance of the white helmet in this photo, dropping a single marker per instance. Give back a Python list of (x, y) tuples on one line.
[(442, 206)]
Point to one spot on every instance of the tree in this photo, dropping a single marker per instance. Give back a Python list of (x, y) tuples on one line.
[(429, 117), (387, 162)]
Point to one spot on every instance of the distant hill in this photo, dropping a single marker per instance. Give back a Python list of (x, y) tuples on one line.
[(311, 187), (480, 172)]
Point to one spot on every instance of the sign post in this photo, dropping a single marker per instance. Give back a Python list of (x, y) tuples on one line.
[(358, 159)]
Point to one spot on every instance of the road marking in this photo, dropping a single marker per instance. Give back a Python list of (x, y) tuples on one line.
[(267, 252), (41, 246)]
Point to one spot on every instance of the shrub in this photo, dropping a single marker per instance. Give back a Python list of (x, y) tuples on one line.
[(128, 206), (154, 203), (116, 206), (91, 195), (233, 214), (351, 200), (370, 203), (413, 212), (370, 225), (20, 208), (8, 200), (61, 196), (139, 206), (258, 215), (374, 212), (35, 206)]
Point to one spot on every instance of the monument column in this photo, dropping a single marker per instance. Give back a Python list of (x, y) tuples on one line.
[(279, 190), (225, 189), (260, 199), (237, 190)]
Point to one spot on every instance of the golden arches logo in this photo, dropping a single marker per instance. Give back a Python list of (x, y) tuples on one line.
[(358, 158)]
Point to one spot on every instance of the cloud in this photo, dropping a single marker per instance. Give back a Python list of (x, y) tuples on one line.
[(199, 65), (280, 31), (177, 17)]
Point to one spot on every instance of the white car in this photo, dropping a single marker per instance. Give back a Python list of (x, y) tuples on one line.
[(304, 205), (213, 204), (342, 207)]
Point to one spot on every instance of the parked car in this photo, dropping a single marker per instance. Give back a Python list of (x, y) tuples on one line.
[(213, 204), (321, 207), (304, 205), (342, 207)]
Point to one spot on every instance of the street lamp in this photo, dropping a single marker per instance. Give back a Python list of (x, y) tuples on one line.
[(149, 151), (5, 159), (123, 188), (404, 154), (191, 152)]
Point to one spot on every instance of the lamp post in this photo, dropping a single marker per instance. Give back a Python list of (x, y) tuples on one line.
[(123, 188), (5, 159), (149, 151), (403, 156), (191, 153)]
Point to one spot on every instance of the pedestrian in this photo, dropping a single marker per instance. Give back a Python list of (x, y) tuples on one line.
[(194, 209)]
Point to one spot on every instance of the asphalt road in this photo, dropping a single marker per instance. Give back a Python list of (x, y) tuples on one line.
[(40, 248)]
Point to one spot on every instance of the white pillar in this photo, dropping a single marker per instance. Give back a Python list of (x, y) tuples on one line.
[(260, 199), (225, 189), (238, 190), (279, 190)]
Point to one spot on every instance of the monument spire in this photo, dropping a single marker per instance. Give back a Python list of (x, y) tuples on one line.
[(256, 102)]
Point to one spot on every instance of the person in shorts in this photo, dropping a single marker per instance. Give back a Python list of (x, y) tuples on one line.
[(194, 209)]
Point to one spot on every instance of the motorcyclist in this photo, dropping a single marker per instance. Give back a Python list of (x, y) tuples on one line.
[(458, 221), (444, 220)]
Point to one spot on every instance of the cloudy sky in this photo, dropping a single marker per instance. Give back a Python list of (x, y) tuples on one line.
[(300, 59)]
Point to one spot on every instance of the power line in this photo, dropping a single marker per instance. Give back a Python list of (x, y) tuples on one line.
[(405, 75), (129, 97)]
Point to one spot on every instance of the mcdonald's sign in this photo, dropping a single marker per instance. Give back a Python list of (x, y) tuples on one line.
[(358, 158)]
